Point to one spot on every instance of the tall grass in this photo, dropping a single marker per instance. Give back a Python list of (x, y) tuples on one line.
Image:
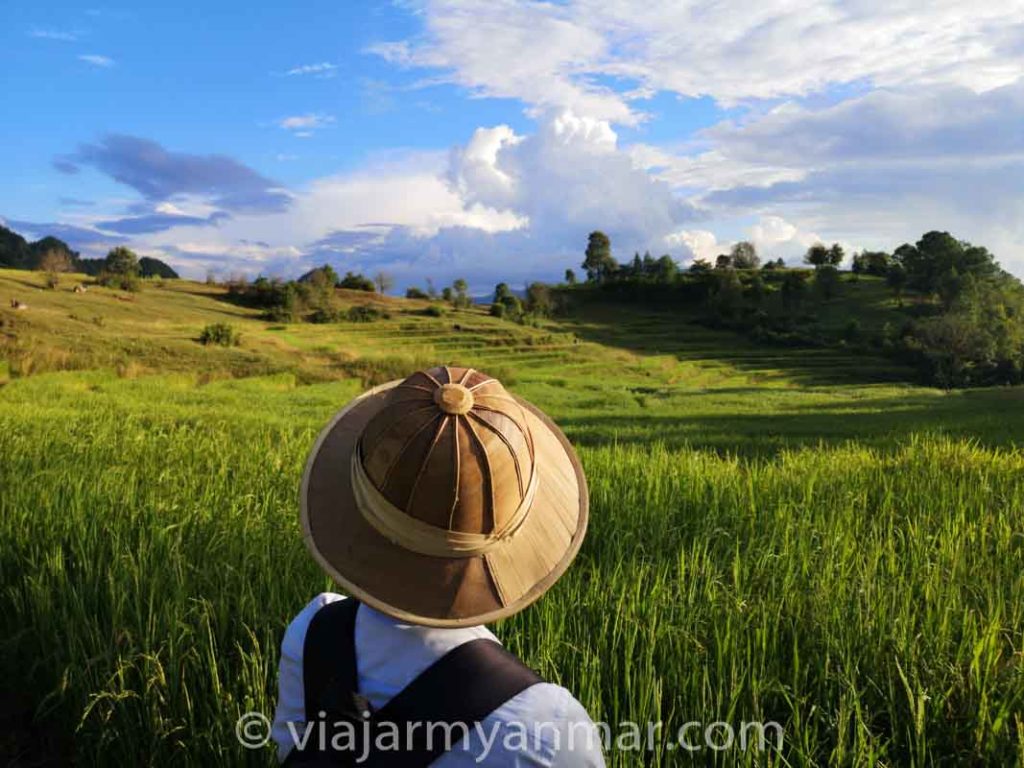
[(870, 600)]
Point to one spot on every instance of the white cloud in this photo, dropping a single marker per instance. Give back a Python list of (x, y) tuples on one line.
[(303, 126), (55, 34), (322, 70), (96, 60), (696, 244), (565, 55)]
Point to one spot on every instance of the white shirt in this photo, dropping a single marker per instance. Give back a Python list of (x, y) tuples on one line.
[(543, 725)]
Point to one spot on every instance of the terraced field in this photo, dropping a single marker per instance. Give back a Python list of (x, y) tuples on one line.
[(777, 535)]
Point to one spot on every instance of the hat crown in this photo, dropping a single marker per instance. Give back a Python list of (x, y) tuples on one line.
[(451, 448)]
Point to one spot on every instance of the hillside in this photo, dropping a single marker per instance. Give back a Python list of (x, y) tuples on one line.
[(643, 364)]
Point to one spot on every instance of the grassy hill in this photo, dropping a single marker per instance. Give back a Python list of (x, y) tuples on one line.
[(777, 534)]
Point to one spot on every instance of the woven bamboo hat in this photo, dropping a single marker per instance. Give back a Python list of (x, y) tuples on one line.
[(443, 499)]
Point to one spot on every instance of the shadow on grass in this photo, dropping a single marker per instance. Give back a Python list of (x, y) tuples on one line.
[(664, 333), (994, 418)]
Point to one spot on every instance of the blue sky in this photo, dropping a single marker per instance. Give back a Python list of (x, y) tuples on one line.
[(484, 139)]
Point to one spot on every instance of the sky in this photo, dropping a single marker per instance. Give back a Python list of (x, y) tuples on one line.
[(485, 139)]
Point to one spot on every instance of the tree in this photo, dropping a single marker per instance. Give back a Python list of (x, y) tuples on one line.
[(461, 298), (896, 279), (570, 277), (826, 281), (354, 281), (598, 261), (538, 299), (700, 267), (935, 254), (756, 290), (501, 292), (836, 254), (53, 262), (817, 255), (794, 290), (415, 293), (726, 294), (665, 269), (871, 263), (447, 294), (384, 282), (723, 261), (744, 256), (122, 261)]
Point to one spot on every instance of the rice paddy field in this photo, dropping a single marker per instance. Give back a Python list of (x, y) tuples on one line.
[(776, 535)]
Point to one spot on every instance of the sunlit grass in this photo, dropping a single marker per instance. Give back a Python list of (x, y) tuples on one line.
[(770, 540)]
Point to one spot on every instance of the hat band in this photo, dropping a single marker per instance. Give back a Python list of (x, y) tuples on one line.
[(415, 535)]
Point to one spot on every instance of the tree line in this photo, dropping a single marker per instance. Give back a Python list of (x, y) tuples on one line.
[(963, 326)]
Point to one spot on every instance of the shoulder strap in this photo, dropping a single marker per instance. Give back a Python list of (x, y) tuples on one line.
[(455, 693), (458, 691)]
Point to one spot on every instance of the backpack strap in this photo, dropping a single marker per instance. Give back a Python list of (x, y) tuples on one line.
[(446, 701)]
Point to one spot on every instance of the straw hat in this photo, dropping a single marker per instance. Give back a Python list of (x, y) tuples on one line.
[(444, 500)]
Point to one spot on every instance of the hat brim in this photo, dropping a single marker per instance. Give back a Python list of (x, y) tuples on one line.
[(438, 591)]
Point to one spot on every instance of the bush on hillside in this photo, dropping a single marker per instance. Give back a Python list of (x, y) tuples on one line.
[(219, 334), (364, 313)]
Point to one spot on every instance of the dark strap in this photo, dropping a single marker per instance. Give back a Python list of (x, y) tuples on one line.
[(459, 690)]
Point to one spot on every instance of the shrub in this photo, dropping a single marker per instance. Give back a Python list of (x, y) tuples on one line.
[(220, 334), (434, 311), (326, 314), (416, 293), (364, 313), (125, 281), (497, 310)]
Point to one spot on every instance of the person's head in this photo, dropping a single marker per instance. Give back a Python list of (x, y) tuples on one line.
[(443, 499)]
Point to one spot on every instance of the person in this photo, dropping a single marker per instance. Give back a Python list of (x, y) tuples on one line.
[(439, 503)]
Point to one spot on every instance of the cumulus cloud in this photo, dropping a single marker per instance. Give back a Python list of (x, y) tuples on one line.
[(566, 179), (161, 175)]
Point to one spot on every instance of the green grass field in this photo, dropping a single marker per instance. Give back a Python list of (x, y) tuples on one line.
[(783, 535)]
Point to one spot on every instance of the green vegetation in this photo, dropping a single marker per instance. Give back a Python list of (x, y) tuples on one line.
[(44, 254), (219, 333), (965, 326), (776, 534)]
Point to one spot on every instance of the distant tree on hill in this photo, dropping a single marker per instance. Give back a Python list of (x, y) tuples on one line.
[(725, 296), (598, 261), (826, 281), (447, 294), (538, 299), (665, 269), (120, 269), (744, 256), (354, 281), (415, 293), (700, 267), (53, 263), (819, 255), (723, 261), (870, 263), (461, 297), (896, 279), (384, 282), (122, 261), (321, 275), (932, 258), (794, 290), (570, 277)]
